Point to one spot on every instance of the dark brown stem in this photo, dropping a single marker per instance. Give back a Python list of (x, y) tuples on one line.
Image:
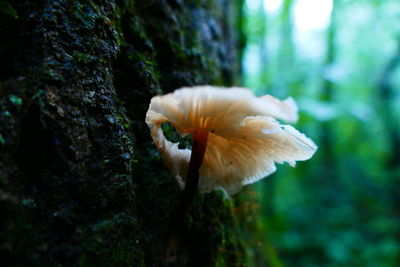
[(199, 145)]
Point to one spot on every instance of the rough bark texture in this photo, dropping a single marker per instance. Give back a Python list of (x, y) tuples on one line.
[(80, 181)]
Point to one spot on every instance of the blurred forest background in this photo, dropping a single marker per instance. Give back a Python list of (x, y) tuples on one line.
[(340, 60)]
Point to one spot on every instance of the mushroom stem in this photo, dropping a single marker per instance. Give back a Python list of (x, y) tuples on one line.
[(199, 145)]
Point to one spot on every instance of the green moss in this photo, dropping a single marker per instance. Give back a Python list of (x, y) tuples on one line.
[(53, 74), (174, 136), (2, 141), (82, 57), (15, 100), (7, 8)]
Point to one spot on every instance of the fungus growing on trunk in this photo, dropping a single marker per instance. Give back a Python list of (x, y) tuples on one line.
[(236, 138)]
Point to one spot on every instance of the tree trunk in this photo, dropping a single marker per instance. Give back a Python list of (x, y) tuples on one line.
[(80, 180)]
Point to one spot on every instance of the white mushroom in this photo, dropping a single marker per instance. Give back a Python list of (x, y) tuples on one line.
[(236, 138)]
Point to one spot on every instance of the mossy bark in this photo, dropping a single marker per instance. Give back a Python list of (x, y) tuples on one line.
[(80, 181)]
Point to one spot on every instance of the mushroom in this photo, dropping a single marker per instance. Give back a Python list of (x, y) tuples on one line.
[(236, 139)]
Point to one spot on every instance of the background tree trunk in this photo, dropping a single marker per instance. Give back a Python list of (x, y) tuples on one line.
[(80, 181)]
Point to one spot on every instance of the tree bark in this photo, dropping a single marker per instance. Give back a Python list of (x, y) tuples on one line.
[(80, 180)]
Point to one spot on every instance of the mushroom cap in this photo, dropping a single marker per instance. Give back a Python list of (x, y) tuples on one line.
[(245, 139)]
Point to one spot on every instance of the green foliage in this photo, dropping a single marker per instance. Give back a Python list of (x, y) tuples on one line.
[(341, 207)]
